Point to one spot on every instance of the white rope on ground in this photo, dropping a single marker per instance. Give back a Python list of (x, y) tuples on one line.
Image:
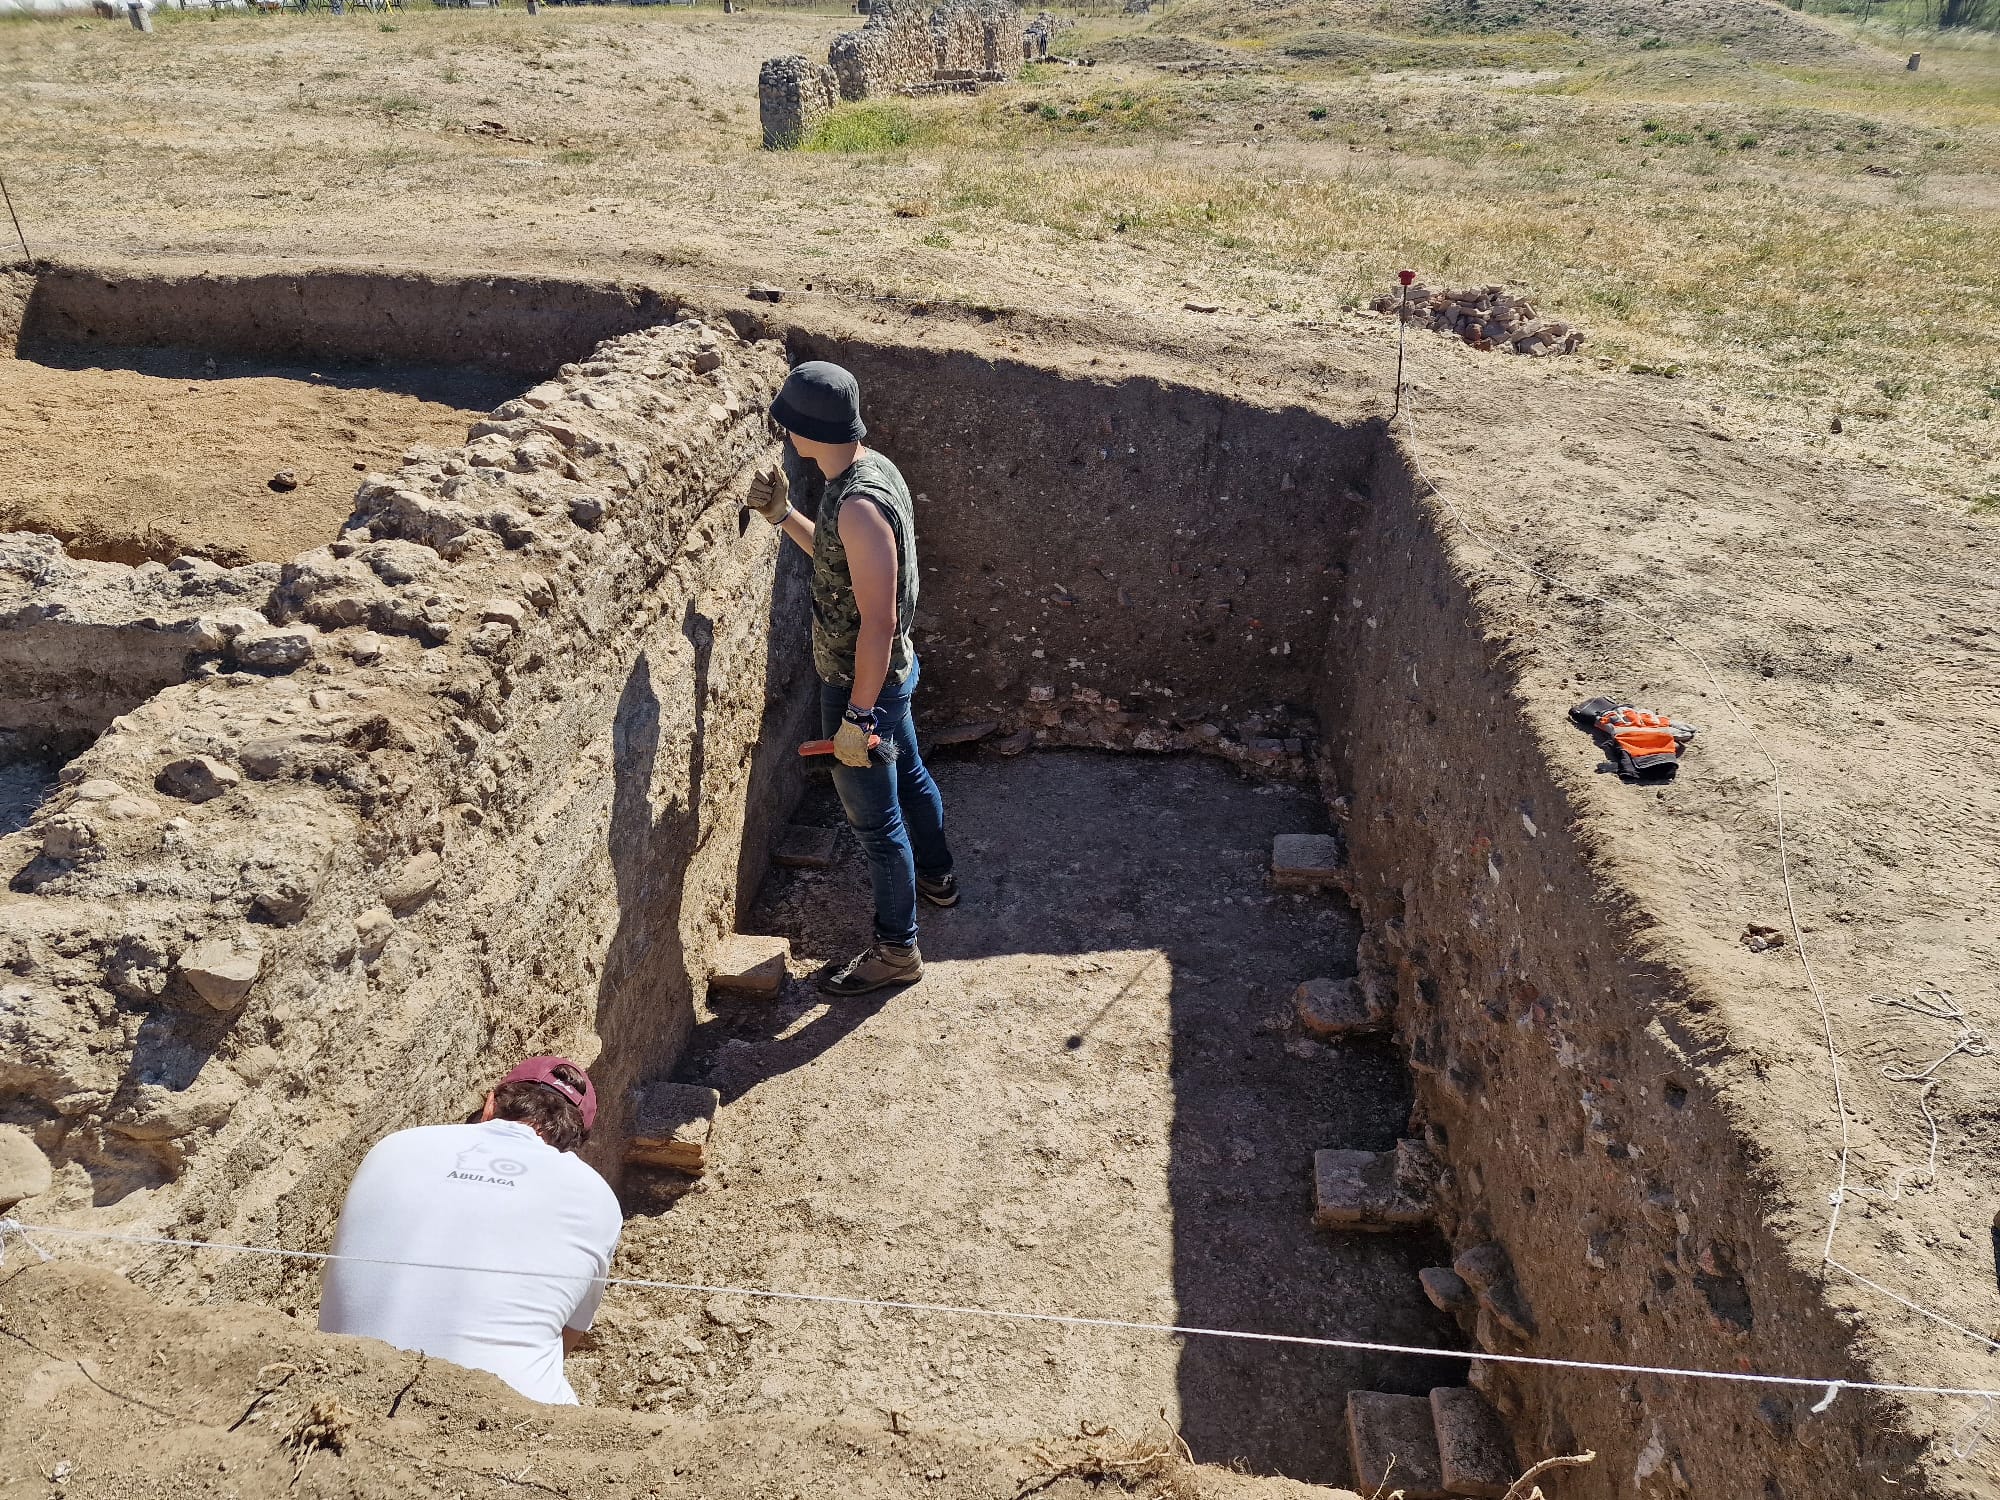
[(1838, 1198), (1831, 1388), (1938, 1005)]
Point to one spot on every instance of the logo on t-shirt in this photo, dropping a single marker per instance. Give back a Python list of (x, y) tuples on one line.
[(500, 1171)]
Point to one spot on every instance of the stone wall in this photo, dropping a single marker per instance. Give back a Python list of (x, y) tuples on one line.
[(83, 642), (903, 49), (905, 46), (793, 95), (529, 736)]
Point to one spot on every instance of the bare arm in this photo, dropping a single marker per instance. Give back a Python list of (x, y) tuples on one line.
[(799, 527), (871, 562), (574, 1339)]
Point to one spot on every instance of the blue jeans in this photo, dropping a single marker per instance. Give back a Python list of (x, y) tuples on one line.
[(894, 808)]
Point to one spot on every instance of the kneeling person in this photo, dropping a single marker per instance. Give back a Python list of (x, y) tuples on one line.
[(485, 1244)]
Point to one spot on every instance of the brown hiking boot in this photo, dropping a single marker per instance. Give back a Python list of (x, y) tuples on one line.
[(875, 967)]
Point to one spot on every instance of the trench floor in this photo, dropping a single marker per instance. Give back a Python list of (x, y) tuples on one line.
[(149, 454), (1096, 1102)]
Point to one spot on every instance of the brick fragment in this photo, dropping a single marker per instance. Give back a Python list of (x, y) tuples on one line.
[(1329, 1008), (1365, 1190), (673, 1126)]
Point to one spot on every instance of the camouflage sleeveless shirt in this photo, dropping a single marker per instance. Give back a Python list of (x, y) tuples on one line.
[(836, 627)]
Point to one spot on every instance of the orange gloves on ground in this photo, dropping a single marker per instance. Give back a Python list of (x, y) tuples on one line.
[(1643, 745)]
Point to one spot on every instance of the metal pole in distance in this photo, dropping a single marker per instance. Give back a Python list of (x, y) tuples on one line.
[(1402, 336), (17, 223)]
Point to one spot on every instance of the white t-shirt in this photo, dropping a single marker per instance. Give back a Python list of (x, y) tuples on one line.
[(488, 1195)]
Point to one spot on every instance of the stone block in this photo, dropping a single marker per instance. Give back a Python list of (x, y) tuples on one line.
[(1330, 1008), (672, 1127), (1483, 1266), (222, 972), (196, 778), (1305, 860), (24, 1171), (1475, 1457), (802, 848), (747, 965), (1394, 1446), (1364, 1190), (277, 648), (1508, 1306), (964, 734), (414, 882), (1447, 1289)]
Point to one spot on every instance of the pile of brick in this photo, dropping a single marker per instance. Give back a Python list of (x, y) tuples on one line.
[(1486, 317)]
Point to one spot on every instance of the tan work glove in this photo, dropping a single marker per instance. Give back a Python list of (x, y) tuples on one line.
[(850, 745), (770, 495)]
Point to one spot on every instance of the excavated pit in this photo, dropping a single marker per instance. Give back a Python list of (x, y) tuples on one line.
[(523, 777)]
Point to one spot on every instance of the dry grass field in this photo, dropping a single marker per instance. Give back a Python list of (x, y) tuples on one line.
[(1779, 216)]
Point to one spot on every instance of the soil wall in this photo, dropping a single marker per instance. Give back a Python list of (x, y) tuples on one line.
[(521, 325), (1113, 560), (83, 642), (491, 779), (1559, 1067)]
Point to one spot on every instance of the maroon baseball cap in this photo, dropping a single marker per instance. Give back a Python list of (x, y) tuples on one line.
[(542, 1070)]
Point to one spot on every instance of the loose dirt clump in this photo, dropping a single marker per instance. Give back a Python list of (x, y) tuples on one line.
[(168, 453)]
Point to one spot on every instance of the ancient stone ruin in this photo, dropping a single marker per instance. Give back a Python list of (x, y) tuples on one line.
[(793, 95), (903, 49)]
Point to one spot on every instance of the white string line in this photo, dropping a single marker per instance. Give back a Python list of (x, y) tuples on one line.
[(1938, 1005), (1831, 1388), (1839, 1196)]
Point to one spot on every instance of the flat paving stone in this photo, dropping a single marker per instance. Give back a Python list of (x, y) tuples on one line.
[(673, 1127), (1304, 860), (1475, 1456), (747, 965), (1365, 1190), (1394, 1446), (1330, 1008), (803, 848), (964, 734)]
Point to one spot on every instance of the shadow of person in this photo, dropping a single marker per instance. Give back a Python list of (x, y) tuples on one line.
[(645, 995), (743, 1044)]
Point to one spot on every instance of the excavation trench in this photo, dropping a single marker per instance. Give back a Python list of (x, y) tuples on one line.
[(1098, 1102), (518, 774)]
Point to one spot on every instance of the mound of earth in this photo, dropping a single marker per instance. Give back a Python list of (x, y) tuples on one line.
[(1750, 28), (110, 1395)]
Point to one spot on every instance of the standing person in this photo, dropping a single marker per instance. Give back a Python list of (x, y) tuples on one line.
[(487, 1243), (863, 542)]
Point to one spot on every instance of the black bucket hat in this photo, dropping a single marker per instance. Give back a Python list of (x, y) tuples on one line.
[(822, 402)]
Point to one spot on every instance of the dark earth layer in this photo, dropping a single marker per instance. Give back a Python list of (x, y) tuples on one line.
[(1096, 1102)]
